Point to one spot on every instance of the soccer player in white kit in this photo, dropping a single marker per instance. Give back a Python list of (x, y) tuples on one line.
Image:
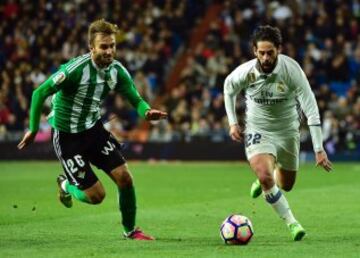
[(275, 88)]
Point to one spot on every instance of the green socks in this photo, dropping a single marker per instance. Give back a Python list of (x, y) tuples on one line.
[(127, 205), (76, 193)]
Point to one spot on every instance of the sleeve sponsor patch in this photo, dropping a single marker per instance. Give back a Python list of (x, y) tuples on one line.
[(59, 78)]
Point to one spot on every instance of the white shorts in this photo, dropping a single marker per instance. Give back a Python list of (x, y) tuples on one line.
[(285, 149)]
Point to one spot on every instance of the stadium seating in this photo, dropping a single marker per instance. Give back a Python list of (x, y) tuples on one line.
[(155, 36)]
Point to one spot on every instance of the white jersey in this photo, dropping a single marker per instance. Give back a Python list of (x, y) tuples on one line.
[(272, 100)]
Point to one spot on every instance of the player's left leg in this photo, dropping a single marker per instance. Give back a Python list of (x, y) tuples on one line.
[(127, 198), (260, 163), (285, 174), (285, 179), (127, 202), (263, 165), (107, 156)]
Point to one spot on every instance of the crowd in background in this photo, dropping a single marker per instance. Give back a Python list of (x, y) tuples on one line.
[(323, 36), (38, 36)]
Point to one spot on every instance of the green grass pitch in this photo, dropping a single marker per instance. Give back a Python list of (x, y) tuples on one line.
[(182, 205)]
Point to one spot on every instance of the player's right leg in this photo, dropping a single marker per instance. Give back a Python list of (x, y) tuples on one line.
[(285, 178), (255, 190), (64, 196), (94, 194), (79, 181)]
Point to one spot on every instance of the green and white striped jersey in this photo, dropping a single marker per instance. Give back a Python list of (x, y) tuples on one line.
[(79, 87)]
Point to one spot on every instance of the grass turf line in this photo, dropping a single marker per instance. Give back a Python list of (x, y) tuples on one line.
[(182, 205)]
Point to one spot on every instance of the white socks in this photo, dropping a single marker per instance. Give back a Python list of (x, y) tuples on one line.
[(281, 206)]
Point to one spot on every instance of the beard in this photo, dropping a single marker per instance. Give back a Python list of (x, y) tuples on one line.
[(103, 60), (267, 67)]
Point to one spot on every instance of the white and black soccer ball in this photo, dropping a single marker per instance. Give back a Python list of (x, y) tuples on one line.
[(236, 230)]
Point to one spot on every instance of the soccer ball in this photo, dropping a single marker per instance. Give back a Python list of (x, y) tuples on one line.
[(236, 230)]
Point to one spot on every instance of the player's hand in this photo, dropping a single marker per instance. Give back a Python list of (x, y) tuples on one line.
[(235, 132), (154, 114), (323, 161), (28, 138)]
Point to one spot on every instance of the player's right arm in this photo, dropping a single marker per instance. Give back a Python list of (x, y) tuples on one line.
[(232, 86), (47, 88)]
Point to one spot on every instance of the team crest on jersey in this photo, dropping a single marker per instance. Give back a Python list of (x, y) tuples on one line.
[(111, 83), (280, 87), (251, 78), (59, 78)]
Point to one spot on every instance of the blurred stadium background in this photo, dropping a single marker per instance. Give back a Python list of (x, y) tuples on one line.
[(179, 53)]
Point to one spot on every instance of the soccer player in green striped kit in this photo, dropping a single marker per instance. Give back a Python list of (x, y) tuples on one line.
[(79, 137)]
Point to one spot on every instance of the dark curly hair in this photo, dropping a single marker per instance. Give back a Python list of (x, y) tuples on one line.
[(267, 33)]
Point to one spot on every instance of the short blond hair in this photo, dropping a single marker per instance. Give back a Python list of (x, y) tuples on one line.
[(101, 26)]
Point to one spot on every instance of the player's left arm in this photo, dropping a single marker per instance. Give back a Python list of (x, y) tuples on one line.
[(126, 88), (309, 106)]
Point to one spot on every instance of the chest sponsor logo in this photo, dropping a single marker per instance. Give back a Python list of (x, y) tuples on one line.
[(111, 83)]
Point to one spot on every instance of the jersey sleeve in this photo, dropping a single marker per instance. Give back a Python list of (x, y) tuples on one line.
[(54, 83), (127, 89), (305, 96), (233, 84), (38, 98), (63, 77), (308, 105)]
